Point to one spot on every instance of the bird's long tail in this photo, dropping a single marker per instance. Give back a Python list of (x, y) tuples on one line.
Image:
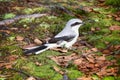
[(36, 50)]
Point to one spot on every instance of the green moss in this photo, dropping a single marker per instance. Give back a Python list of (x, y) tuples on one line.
[(34, 10), (74, 73), (100, 45), (117, 78), (12, 49), (16, 76), (110, 57), (9, 15), (95, 77), (109, 78), (26, 20), (113, 2), (21, 62), (2, 78), (44, 71)]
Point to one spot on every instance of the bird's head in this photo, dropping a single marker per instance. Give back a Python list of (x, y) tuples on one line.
[(74, 24)]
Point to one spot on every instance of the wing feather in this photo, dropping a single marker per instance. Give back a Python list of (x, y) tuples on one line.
[(63, 38)]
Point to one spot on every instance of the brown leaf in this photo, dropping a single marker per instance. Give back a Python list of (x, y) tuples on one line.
[(78, 61), (37, 41), (88, 8), (109, 15), (114, 27), (19, 38), (38, 64), (58, 70), (8, 66), (115, 15), (92, 29), (117, 47), (64, 60), (117, 19), (90, 58), (94, 49), (31, 78), (14, 29), (111, 48), (102, 58), (12, 57), (106, 51), (54, 58), (6, 31), (91, 66), (97, 28), (85, 78)]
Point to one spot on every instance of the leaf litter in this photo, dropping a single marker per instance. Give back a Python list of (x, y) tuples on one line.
[(88, 62), (8, 61)]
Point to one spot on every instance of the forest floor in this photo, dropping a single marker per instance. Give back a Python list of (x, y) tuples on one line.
[(97, 51)]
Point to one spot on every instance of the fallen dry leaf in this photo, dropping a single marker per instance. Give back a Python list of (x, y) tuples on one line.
[(115, 15), (88, 63), (109, 15), (111, 48), (90, 58), (64, 60), (38, 64), (92, 29), (94, 49), (78, 61), (117, 19), (85, 78), (19, 38), (106, 51), (117, 47), (12, 57), (14, 29), (102, 58), (92, 63), (58, 70), (6, 31), (87, 8), (31, 78), (114, 27), (8, 66), (8, 61), (37, 41), (54, 58)]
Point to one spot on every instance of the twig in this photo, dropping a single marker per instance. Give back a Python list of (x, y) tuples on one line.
[(86, 44), (20, 71), (9, 21)]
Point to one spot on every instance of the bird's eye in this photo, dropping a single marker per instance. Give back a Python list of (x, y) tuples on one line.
[(76, 23)]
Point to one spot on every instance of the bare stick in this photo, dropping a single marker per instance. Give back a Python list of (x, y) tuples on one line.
[(9, 21)]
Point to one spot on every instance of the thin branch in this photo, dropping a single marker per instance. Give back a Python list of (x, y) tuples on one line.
[(9, 21)]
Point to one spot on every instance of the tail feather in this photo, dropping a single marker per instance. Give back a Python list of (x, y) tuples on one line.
[(36, 50)]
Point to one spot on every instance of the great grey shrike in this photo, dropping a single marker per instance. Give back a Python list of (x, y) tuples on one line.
[(66, 38)]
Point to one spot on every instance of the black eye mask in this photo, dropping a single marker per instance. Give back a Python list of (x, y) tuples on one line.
[(76, 23)]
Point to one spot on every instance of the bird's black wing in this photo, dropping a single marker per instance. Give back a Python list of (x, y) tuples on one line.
[(63, 38)]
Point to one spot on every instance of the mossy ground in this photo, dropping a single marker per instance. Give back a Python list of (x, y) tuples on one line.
[(48, 26)]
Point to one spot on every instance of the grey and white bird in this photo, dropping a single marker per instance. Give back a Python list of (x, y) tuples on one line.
[(66, 38)]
